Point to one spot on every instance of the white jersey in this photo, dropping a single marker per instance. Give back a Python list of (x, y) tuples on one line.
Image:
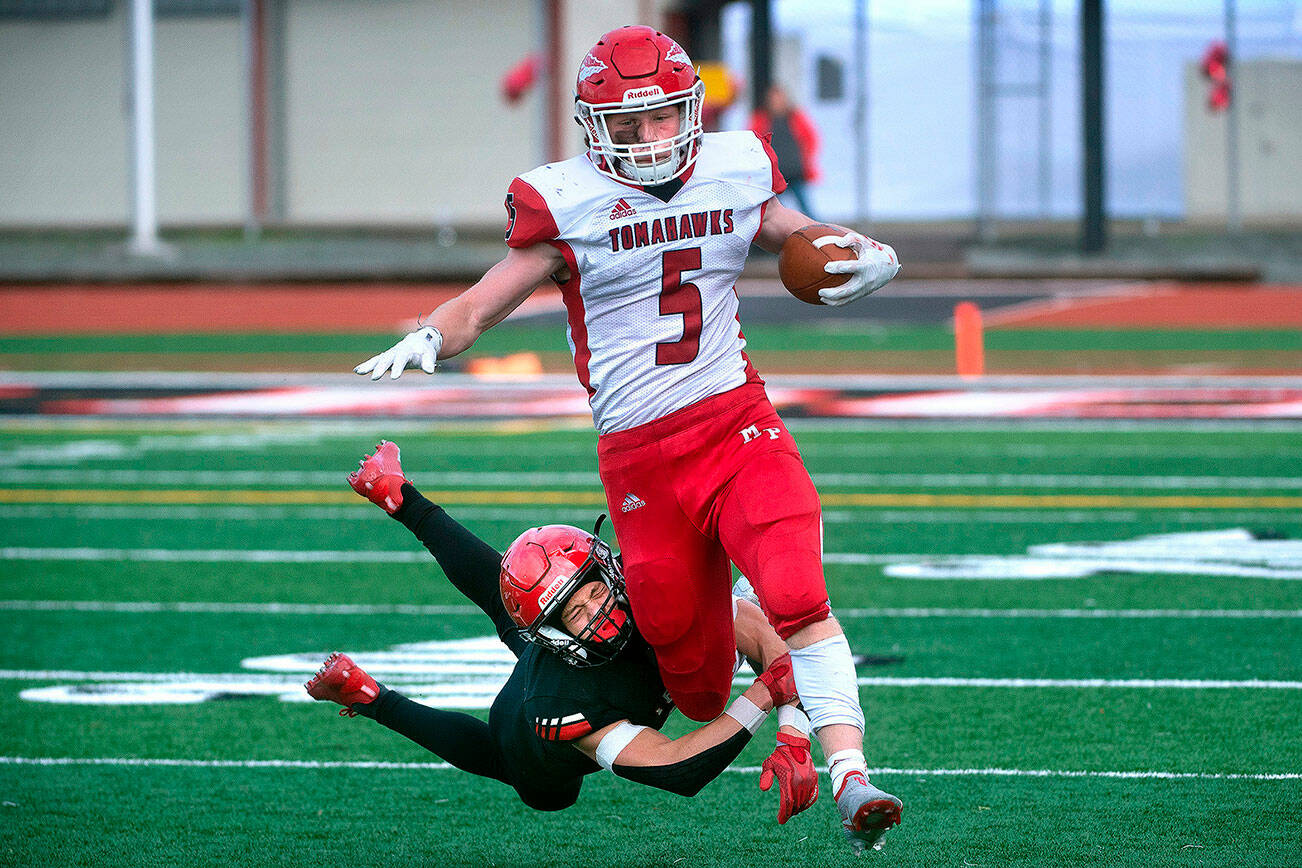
[(651, 297)]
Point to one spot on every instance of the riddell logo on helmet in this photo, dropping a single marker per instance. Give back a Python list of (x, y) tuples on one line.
[(642, 94), (545, 597)]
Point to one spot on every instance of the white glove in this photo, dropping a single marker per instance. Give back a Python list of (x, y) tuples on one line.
[(876, 265), (422, 345)]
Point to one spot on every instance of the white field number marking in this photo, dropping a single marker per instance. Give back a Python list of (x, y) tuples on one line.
[(458, 673), (744, 770), (1233, 552)]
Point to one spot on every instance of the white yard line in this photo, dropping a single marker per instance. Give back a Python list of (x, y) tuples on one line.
[(1087, 683), (1013, 683), (306, 512), (544, 478), (295, 556), (288, 478), (254, 556), (527, 513), (340, 556), (229, 608), (1088, 614), (745, 770), (145, 607), (898, 562)]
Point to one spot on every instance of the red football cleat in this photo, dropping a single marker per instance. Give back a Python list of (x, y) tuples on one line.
[(379, 477), (341, 680)]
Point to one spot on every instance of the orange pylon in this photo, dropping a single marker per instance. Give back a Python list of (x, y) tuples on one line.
[(518, 366), (969, 345)]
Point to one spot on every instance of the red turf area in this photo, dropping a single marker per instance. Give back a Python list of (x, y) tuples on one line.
[(394, 307), (1164, 305), (219, 307)]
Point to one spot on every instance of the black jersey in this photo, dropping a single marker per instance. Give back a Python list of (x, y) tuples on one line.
[(547, 703)]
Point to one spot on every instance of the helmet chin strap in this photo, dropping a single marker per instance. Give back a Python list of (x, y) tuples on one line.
[(562, 639), (656, 173)]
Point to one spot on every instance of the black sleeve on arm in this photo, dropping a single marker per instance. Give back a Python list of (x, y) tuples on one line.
[(471, 564), (687, 777)]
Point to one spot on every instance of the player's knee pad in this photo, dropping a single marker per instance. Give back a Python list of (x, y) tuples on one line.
[(778, 542), (661, 605), (698, 678), (794, 606), (698, 704), (791, 589)]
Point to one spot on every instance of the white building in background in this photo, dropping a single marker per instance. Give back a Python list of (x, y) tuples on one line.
[(391, 110), (391, 114)]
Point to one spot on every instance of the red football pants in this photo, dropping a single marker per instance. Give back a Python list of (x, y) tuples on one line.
[(716, 481)]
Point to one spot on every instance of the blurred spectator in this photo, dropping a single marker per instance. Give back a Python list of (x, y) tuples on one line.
[(795, 141), (521, 77), (721, 88)]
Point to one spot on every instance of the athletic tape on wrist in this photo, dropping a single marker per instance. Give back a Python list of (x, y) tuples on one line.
[(616, 740), (746, 713), (792, 716)]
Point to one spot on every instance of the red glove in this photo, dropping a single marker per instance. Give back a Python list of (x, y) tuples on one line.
[(780, 681), (797, 778)]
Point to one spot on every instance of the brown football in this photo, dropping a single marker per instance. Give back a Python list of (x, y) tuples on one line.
[(800, 263)]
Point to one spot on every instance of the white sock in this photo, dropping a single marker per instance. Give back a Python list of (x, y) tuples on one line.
[(842, 763), (825, 678)]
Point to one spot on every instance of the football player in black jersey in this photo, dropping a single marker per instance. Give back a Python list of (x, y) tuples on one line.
[(585, 693)]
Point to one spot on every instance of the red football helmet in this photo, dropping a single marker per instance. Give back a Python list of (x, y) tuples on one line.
[(542, 569), (634, 69)]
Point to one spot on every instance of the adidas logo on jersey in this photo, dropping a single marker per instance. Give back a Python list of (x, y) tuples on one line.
[(631, 502), (621, 210)]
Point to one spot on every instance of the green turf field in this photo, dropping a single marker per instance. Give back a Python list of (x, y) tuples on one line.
[(1146, 711), (814, 348)]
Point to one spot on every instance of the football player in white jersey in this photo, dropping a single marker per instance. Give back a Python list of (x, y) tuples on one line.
[(646, 234)]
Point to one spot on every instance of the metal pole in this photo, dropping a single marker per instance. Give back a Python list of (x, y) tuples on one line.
[(276, 167), (987, 130), (862, 166), (1233, 204), (256, 109), (761, 52), (1046, 107), (556, 102), (144, 236), (1093, 228)]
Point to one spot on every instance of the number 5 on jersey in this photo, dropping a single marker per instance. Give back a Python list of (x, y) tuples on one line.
[(678, 298)]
